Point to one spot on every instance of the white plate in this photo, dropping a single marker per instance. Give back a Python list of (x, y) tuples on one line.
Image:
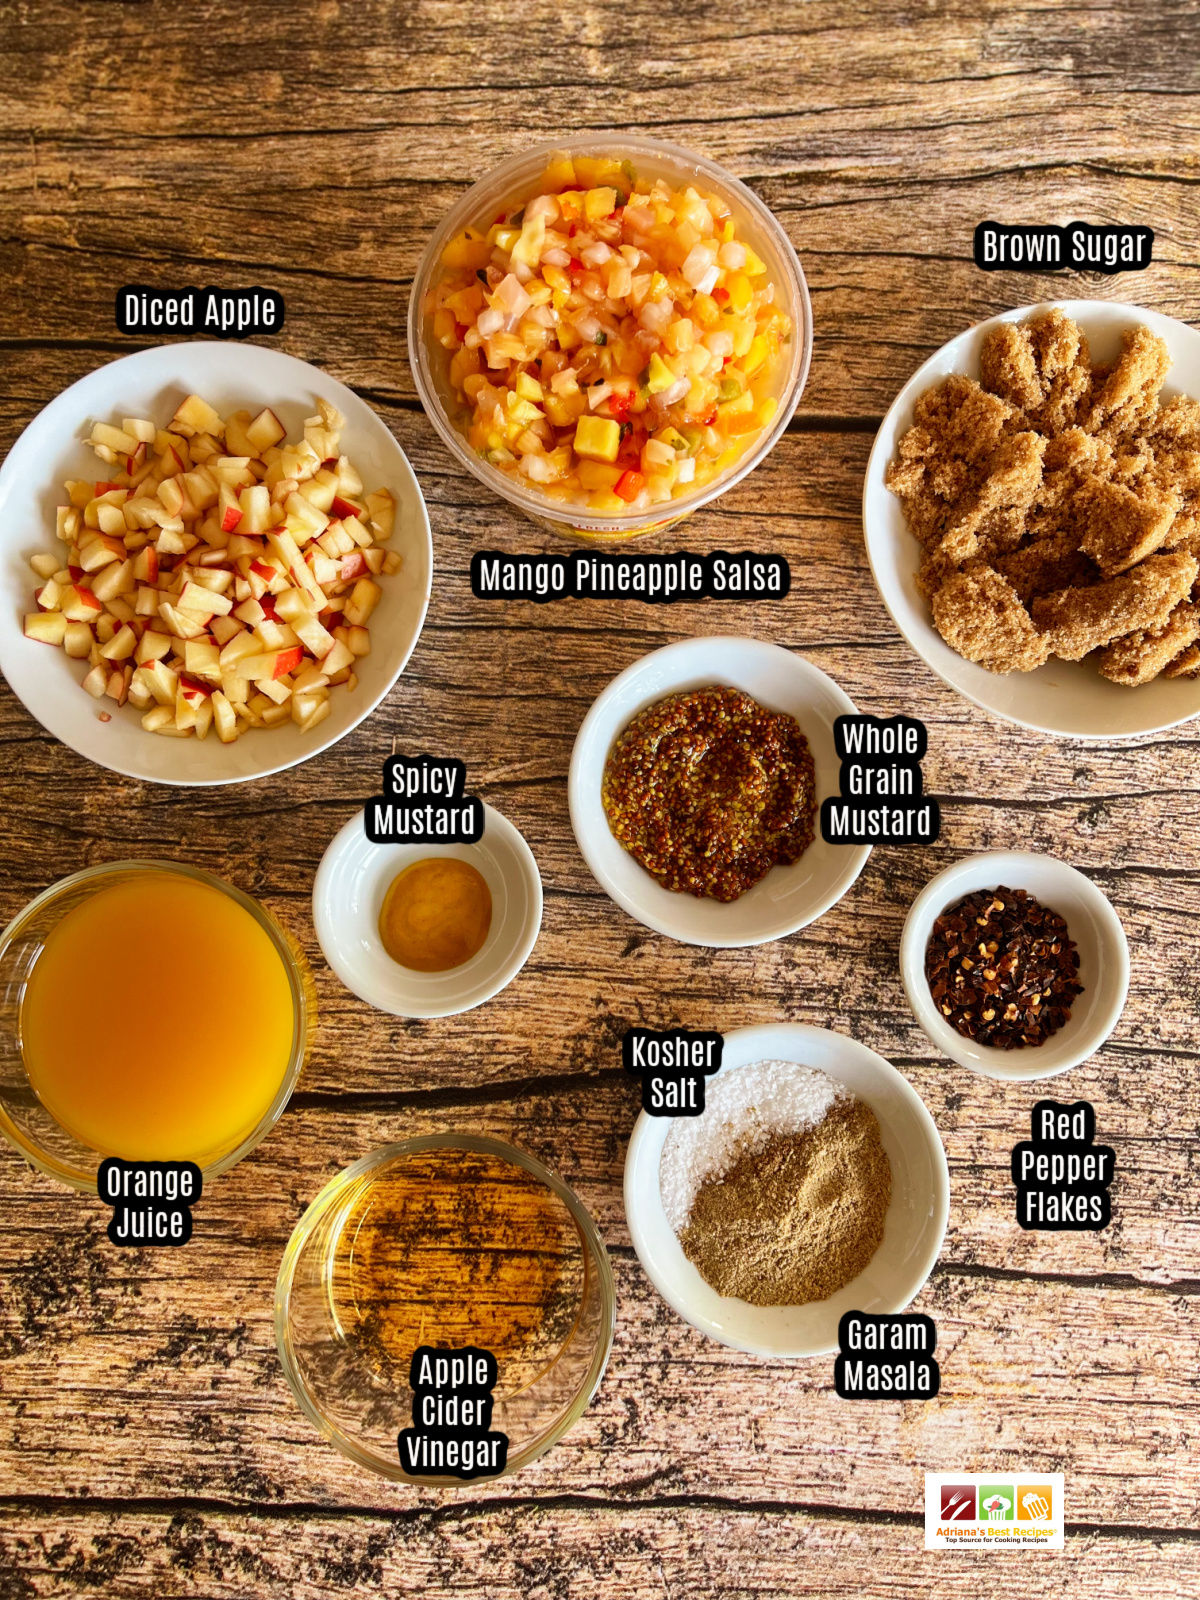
[(913, 1231), (1092, 924), (788, 897), (151, 384), (348, 894), (1062, 697)]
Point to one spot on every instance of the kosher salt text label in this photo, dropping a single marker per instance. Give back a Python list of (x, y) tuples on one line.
[(220, 313), (424, 799), (151, 1200), (657, 579), (452, 1415), (672, 1066), (1020, 247), (1062, 1177), (882, 791), (886, 1357)]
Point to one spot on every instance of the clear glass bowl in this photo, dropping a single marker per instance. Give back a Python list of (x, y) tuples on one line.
[(361, 1400), (24, 1120), (512, 182)]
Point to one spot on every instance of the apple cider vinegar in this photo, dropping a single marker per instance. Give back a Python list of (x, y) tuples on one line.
[(157, 1023), (457, 1248)]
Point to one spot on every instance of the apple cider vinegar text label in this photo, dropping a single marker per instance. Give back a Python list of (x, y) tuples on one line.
[(220, 313), (452, 1415), (151, 1200), (672, 1066)]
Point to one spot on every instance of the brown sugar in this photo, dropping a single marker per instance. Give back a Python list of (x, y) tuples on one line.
[(1057, 504)]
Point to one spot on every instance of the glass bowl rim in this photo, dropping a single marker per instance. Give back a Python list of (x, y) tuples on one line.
[(291, 964), (541, 507), (319, 1206)]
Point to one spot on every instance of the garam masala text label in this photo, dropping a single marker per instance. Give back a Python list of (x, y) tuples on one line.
[(221, 313), (151, 1200), (1062, 1178), (424, 798), (888, 1357), (452, 1413), (672, 1065), (657, 579), (882, 790)]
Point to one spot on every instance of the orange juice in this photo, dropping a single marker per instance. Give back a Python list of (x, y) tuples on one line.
[(157, 1023)]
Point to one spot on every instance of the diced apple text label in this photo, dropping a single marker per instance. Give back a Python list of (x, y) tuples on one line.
[(221, 313)]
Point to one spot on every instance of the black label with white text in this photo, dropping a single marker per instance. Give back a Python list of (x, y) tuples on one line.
[(672, 1065), (882, 798), (452, 1413), (424, 799), (220, 313), (1079, 247), (151, 1200), (1062, 1177), (657, 579), (886, 1357)]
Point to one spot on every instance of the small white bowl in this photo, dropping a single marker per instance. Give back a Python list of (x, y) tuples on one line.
[(913, 1231), (348, 893), (151, 384), (1062, 697), (789, 897), (1092, 924)]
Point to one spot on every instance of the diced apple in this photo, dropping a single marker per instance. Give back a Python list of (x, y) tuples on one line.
[(217, 579), (44, 565), (313, 636), (309, 679), (204, 602), (96, 682), (358, 532), (114, 439), (382, 509), (117, 687), (196, 416), (273, 664), (47, 627), (224, 628), (255, 502), (80, 605), (324, 570), (359, 641), (202, 659), (201, 488), (304, 521), (183, 624), (235, 435), (250, 612), (107, 627), (146, 604), (139, 696), (160, 717), (145, 565), (138, 428), (276, 689), (204, 718), (120, 608), (49, 596), (67, 520), (111, 519), (121, 645), (170, 543), (265, 430), (161, 680), (77, 640), (284, 546), (364, 597), (339, 655), (99, 551), (241, 645), (153, 646), (114, 580), (235, 688), (231, 511)]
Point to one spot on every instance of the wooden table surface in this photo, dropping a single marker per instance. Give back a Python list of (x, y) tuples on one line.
[(149, 1445)]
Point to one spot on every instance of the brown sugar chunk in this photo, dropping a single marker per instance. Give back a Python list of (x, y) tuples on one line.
[(1077, 621), (1124, 527), (1138, 657), (1052, 562), (979, 615), (1128, 394), (1185, 665), (1042, 366), (1014, 476)]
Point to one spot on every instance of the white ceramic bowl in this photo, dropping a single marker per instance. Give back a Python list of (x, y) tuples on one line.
[(348, 895), (1062, 697), (1092, 924), (788, 897), (151, 384), (913, 1231)]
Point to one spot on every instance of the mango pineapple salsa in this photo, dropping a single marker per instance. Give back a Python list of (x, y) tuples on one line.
[(613, 342)]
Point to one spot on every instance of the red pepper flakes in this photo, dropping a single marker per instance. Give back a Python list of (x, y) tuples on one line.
[(1002, 969)]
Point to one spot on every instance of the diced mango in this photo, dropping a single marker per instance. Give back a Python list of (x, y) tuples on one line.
[(661, 377), (597, 477), (598, 438), (599, 203), (468, 252), (529, 388), (741, 291), (755, 355)]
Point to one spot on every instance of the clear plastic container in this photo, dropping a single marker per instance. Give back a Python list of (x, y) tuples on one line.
[(513, 182)]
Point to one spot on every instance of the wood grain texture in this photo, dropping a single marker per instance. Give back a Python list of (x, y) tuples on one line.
[(148, 1442)]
